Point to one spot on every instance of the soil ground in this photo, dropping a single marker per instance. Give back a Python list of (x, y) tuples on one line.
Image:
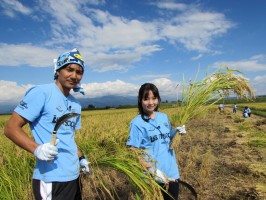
[(224, 156)]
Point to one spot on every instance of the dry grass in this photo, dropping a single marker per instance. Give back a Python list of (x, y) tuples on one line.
[(221, 164)]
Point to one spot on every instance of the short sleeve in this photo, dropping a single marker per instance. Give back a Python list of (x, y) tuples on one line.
[(135, 136), (171, 130), (32, 104)]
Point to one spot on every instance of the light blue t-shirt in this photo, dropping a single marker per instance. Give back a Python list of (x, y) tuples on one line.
[(154, 137), (42, 106)]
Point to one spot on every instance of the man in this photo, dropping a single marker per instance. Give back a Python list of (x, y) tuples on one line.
[(56, 173)]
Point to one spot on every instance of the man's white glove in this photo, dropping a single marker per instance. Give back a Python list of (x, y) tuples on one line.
[(84, 164), (159, 176), (46, 151), (181, 130)]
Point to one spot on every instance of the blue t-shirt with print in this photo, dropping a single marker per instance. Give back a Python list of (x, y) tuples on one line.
[(42, 106), (154, 137)]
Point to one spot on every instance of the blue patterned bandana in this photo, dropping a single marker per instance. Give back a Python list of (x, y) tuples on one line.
[(67, 58)]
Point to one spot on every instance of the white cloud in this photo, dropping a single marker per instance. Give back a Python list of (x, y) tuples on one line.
[(254, 64), (166, 87), (109, 42), (119, 60), (26, 54), (12, 7), (258, 84), (11, 92), (117, 87), (197, 57), (171, 5), (196, 29), (260, 79), (120, 33), (96, 30)]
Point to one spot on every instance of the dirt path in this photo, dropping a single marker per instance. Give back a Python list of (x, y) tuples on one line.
[(224, 156)]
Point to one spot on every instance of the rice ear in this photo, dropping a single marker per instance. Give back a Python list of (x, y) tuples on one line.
[(213, 88)]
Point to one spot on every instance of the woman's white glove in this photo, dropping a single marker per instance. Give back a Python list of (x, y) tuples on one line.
[(46, 151), (181, 130), (159, 176), (84, 164)]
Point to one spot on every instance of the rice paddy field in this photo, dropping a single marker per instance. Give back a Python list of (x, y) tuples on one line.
[(222, 156)]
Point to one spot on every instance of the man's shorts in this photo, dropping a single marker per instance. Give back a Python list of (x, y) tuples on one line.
[(70, 190)]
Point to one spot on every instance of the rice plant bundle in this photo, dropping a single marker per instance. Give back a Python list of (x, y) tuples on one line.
[(114, 167), (197, 96), (127, 163)]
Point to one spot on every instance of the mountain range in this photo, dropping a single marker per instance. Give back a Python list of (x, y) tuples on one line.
[(99, 102), (108, 101)]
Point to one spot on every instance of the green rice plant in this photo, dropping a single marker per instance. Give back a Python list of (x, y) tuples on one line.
[(126, 163), (107, 156), (197, 97), (245, 126), (238, 119), (259, 143), (103, 140), (257, 139), (15, 174), (254, 106), (258, 133), (259, 113)]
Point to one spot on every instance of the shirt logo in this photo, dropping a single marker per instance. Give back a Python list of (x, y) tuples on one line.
[(78, 56), (23, 105), (161, 136), (59, 108), (70, 123)]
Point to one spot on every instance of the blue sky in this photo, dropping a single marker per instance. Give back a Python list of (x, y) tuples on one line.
[(127, 43)]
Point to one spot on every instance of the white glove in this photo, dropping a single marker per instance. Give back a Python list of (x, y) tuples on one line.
[(181, 129), (160, 177), (84, 164), (46, 151)]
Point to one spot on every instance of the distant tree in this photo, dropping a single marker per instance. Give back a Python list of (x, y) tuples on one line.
[(91, 107)]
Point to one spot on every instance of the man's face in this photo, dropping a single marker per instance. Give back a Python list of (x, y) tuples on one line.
[(70, 76)]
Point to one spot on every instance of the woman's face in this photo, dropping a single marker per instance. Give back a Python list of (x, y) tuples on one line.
[(149, 103)]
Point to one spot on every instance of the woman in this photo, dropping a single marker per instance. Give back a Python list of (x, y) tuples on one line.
[(151, 131)]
